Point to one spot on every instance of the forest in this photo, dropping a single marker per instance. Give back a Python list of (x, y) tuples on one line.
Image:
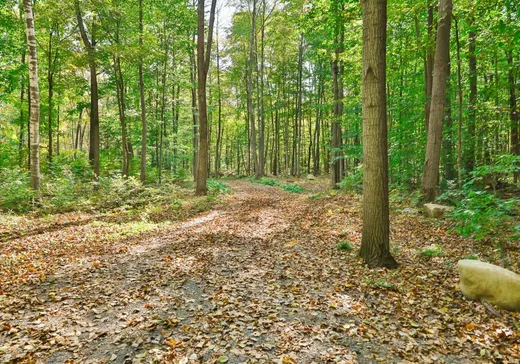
[(260, 181)]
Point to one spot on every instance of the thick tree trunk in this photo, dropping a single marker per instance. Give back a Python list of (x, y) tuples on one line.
[(34, 96), (440, 73), (375, 246), (144, 133), (203, 61)]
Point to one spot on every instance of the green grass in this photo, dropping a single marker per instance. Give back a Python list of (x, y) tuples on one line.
[(432, 251), (345, 246)]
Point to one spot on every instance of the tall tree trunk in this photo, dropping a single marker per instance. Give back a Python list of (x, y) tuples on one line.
[(144, 133), (299, 110), (94, 98), (428, 67), (440, 73), (472, 115), (58, 131), (460, 95), (337, 74), (250, 109), (219, 125), (50, 82), (22, 116), (203, 61), (195, 120), (34, 96), (449, 168), (261, 116), (513, 112), (375, 245), (120, 88)]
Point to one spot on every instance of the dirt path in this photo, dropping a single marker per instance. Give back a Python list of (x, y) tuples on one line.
[(256, 280)]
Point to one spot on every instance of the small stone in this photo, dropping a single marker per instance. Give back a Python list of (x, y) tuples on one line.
[(435, 211)]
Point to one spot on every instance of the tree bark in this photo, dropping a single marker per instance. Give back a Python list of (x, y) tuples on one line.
[(203, 61), (472, 114), (375, 246), (22, 116), (513, 112), (337, 74), (34, 96), (428, 67), (94, 98), (440, 73), (460, 99), (144, 133)]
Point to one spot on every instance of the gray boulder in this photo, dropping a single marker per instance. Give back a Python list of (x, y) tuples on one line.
[(435, 211), (484, 281)]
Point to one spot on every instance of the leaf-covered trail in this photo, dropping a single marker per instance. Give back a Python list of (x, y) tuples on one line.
[(258, 279)]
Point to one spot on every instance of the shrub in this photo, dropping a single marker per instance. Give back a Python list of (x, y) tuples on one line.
[(293, 188), (15, 192), (267, 181), (344, 245), (216, 187), (352, 181)]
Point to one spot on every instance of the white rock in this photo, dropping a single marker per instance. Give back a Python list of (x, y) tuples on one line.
[(435, 211), (499, 286), (311, 177)]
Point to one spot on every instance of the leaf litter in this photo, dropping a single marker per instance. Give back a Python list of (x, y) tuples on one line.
[(258, 279)]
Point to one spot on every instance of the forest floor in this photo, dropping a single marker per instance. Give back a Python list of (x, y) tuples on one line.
[(256, 279)]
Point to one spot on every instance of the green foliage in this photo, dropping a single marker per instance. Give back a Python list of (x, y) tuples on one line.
[(490, 174), (380, 283), (216, 187), (481, 214), (293, 188), (267, 181), (15, 192), (432, 251), (344, 245), (353, 181)]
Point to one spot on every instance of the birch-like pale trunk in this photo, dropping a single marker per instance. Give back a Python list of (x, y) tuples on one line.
[(34, 96)]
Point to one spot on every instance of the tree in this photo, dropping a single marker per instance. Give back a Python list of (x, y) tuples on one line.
[(142, 96), (203, 61), (437, 111), (34, 96), (90, 45), (250, 109), (375, 244), (337, 75)]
